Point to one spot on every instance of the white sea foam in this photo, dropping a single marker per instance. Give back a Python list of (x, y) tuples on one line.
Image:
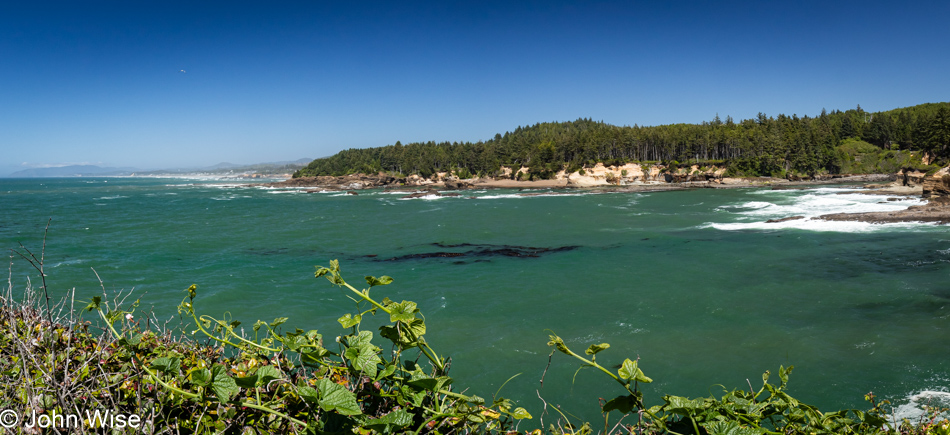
[(68, 262), (532, 195), (502, 196), (282, 188), (914, 410), (751, 215), (224, 185), (429, 197), (112, 197)]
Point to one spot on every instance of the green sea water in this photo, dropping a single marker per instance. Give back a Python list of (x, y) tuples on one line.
[(694, 283)]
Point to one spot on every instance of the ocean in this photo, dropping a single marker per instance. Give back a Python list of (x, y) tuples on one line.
[(695, 283)]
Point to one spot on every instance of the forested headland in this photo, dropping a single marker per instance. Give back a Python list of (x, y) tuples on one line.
[(852, 141)]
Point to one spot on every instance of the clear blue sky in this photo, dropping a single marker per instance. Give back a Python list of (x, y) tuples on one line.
[(156, 84)]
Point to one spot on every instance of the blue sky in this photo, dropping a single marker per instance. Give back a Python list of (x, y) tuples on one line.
[(170, 84)]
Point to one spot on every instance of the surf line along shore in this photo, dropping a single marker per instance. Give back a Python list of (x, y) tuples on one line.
[(411, 184), (934, 188)]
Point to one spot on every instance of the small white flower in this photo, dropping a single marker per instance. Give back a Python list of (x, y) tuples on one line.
[(128, 316)]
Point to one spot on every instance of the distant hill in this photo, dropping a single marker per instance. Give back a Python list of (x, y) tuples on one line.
[(71, 171), (233, 166), (225, 168), (282, 167)]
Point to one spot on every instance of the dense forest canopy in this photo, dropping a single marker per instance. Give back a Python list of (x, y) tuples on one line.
[(765, 145)]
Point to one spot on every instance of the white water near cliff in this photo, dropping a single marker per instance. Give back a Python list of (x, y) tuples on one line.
[(779, 204)]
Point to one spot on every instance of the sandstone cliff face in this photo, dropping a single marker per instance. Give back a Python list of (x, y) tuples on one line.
[(600, 175), (911, 178), (938, 184)]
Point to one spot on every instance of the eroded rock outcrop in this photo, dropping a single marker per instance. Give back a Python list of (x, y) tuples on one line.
[(937, 185), (911, 177), (457, 185)]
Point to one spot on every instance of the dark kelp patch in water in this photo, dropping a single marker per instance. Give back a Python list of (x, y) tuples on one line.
[(478, 250)]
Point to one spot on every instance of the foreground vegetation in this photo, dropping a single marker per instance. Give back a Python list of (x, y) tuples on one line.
[(279, 380), (766, 145)]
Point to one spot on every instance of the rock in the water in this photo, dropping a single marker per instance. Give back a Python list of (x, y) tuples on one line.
[(422, 194), (345, 182), (793, 218), (457, 185)]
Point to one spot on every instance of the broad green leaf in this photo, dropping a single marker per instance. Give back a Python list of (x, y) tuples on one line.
[(364, 338), (200, 377), (624, 404), (277, 322), (395, 420), (334, 397), (520, 414), (682, 405), (245, 381), (417, 326), (364, 358), (402, 340), (265, 374), (731, 428), (403, 311), (348, 320), (594, 348), (428, 383), (386, 372), (293, 342), (223, 385), (315, 337), (132, 341), (167, 364), (383, 280), (408, 394), (630, 371), (309, 395)]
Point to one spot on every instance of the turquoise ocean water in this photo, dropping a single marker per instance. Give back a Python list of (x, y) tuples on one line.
[(695, 283)]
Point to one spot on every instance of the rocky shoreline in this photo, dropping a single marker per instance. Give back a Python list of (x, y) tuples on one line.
[(935, 188), (414, 184), (937, 211)]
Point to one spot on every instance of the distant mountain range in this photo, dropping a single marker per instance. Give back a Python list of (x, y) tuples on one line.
[(218, 169)]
